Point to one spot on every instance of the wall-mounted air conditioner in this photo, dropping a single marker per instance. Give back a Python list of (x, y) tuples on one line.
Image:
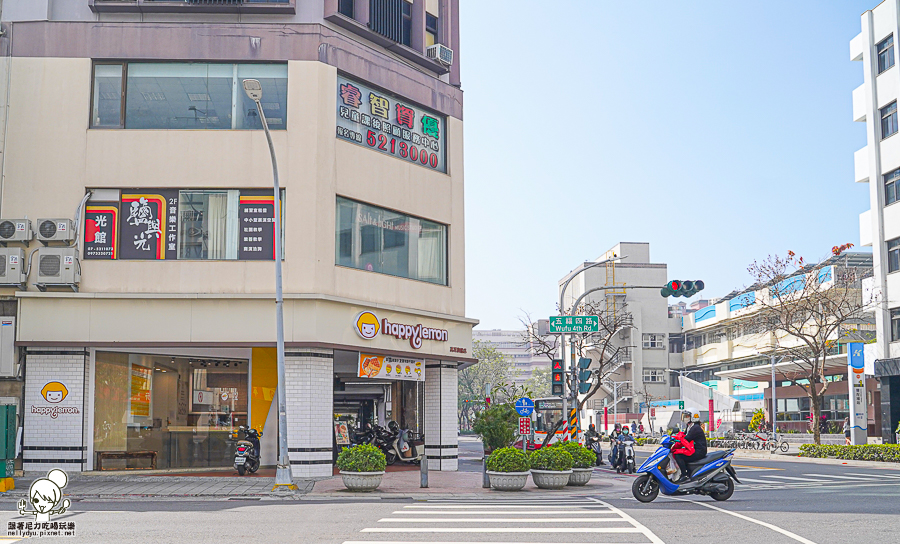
[(58, 267), (55, 230), (440, 53), (15, 230), (12, 267)]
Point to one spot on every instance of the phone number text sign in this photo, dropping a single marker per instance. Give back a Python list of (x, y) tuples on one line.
[(391, 125)]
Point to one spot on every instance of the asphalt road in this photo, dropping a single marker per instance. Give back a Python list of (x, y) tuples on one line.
[(780, 502)]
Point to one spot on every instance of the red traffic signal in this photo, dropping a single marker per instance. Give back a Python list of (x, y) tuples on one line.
[(674, 285)]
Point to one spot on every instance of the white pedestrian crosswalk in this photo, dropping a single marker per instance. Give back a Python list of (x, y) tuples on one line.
[(773, 481), (502, 521)]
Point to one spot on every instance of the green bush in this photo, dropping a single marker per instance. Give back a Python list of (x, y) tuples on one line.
[(869, 452), (507, 460), (497, 426), (361, 458), (551, 458), (581, 456)]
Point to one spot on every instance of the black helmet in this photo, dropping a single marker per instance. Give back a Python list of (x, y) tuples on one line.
[(392, 425), (592, 427)]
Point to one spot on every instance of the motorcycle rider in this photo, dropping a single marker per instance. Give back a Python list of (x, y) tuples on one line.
[(620, 455), (590, 436), (614, 451), (693, 443)]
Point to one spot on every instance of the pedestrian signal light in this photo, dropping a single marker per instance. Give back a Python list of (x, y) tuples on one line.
[(557, 383)]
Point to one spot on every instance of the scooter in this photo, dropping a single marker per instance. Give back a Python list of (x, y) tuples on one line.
[(246, 456), (625, 456), (397, 445), (711, 475), (593, 444)]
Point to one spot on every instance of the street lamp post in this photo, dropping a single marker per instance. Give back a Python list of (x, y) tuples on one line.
[(283, 472)]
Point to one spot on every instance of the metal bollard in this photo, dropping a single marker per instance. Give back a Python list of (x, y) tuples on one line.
[(486, 481), (423, 471)]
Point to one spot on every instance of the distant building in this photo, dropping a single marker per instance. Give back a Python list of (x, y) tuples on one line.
[(513, 344)]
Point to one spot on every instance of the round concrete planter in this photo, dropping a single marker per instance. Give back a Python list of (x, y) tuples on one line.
[(550, 479), (580, 476), (362, 481), (508, 481)]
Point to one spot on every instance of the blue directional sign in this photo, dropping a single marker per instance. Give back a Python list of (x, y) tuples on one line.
[(524, 406)]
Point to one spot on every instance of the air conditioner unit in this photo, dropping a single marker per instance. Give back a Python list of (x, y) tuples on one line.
[(58, 267), (15, 230), (55, 230), (440, 53), (12, 267)]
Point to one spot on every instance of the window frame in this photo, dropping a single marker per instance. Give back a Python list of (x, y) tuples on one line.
[(342, 3), (888, 50), (889, 249), (891, 186), (888, 116), (122, 65), (650, 340), (895, 320), (653, 374)]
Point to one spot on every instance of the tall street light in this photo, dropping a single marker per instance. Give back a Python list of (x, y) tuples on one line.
[(283, 472)]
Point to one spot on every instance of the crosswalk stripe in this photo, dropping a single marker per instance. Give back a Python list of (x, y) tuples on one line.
[(805, 480), (840, 477), (499, 506), (895, 476), (567, 512), (500, 520), (456, 542), (753, 481), (501, 530)]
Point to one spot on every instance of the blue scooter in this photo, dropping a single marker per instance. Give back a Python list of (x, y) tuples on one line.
[(711, 475)]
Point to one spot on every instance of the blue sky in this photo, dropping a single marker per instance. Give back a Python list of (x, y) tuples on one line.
[(719, 132)]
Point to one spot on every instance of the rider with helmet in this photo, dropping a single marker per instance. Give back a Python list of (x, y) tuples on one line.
[(614, 451), (625, 436), (693, 443)]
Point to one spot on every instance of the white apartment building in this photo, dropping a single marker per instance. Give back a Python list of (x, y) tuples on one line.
[(513, 345), (650, 346), (878, 163)]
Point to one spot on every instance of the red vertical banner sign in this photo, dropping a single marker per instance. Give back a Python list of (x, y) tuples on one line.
[(605, 419), (712, 415)]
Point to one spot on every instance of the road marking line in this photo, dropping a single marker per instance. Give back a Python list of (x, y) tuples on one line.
[(756, 468), (775, 528), (874, 475), (498, 520), (499, 506), (804, 480), (568, 512), (644, 530), (501, 530), (455, 542), (841, 477), (767, 482)]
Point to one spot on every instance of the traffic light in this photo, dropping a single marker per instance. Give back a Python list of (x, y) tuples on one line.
[(557, 378), (584, 362), (584, 381), (678, 288)]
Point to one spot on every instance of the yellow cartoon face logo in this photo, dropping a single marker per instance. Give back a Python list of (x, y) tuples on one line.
[(367, 325), (54, 392)]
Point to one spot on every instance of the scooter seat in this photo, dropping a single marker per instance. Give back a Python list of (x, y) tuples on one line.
[(715, 456)]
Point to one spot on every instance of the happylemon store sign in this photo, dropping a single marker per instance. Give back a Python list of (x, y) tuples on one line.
[(369, 327)]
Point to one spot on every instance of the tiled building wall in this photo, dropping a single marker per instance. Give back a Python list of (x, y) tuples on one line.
[(54, 432), (310, 385), (441, 439)]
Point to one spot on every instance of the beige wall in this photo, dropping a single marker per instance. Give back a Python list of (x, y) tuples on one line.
[(52, 157)]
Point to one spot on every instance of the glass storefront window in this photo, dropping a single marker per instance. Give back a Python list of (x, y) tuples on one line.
[(208, 225), (388, 242), (183, 409)]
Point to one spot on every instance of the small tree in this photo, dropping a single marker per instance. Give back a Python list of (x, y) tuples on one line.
[(492, 368), (807, 310), (539, 382)]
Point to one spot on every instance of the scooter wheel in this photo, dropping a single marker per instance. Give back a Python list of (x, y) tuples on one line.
[(390, 458), (645, 488), (724, 495), (240, 469), (254, 466)]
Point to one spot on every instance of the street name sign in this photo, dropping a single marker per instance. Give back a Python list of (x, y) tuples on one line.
[(524, 406), (570, 324)]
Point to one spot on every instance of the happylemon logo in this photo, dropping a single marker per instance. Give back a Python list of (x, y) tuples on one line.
[(54, 392), (367, 325)]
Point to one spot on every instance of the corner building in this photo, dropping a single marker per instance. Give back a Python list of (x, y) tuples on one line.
[(155, 339)]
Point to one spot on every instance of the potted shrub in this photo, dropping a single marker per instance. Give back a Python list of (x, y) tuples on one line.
[(507, 469), (583, 461), (551, 467), (361, 466), (497, 426)]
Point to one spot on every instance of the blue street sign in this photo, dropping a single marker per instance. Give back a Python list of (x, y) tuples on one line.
[(524, 406)]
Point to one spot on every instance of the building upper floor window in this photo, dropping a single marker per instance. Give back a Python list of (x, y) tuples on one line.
[(892, 187), (654, 376), (172, 95), (392, 19), (431, 30), (389, 242), (893, 250), (345, 7), (889, 120), (895, 324), (654, 341), (885, 50)]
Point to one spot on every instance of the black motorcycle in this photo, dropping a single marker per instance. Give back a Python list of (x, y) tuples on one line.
[(246, 455), (593, 443)]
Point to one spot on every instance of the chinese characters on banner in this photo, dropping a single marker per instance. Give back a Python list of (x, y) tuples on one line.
[(148, 227), (390, 367), (391, 125), (256, 219), (101, 229)]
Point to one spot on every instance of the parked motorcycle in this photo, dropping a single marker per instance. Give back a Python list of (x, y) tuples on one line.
[(366, 435), (246, 455), (711, 475), (399, 444)]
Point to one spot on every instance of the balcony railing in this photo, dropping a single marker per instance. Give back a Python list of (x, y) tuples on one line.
[(195, 6)]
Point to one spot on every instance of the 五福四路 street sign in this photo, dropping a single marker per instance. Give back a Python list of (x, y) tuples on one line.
[(569, 324)]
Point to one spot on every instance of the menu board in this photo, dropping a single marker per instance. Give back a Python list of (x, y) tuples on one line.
[(391, 368), (256, 218)]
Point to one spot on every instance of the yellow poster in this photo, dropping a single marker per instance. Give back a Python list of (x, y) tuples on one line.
[(391, 368), (140, 391)]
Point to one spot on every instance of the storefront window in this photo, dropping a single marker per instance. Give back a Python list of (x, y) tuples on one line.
[(184, 410), (380, 240)]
